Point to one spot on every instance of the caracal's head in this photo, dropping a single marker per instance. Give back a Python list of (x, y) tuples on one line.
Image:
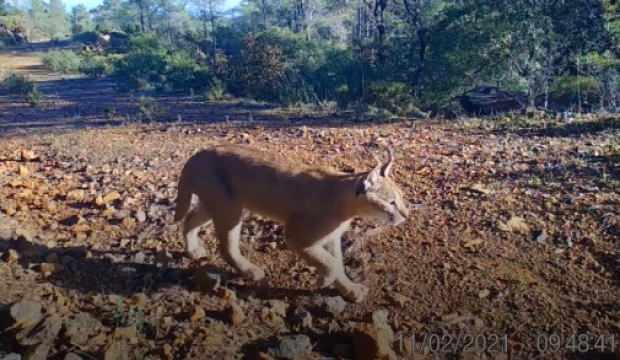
[(381, 197)]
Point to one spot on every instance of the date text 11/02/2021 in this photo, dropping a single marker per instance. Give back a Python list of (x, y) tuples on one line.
[(453, 343), (494, 343)]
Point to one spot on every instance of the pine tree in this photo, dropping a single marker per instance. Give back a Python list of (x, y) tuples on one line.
[(57, 24), (80, 19)]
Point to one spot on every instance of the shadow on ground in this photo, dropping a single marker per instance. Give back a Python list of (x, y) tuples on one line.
[(120, 272), (566, 129), (70, 103)]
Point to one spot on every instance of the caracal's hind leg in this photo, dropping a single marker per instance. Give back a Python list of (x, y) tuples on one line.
[(194, 246), (227, 221)]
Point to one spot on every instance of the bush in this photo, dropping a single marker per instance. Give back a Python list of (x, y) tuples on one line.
[(96, 66), (279, 66), (568, 89), (34, 97), (263, 70), (16, 84), (149, 65), (394, 97), (144, 66), (62, 61), (343, 96), (148, 109), (216, 92), (184, 73)]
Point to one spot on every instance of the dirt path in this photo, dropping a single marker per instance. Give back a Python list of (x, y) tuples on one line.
[(72, 101)]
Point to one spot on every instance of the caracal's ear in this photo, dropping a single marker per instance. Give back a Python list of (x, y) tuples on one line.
[(379, 171), (371, 179), (387, 167)]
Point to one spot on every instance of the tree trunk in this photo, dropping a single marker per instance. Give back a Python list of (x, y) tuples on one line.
[(378, 11), (264, 12), (141, 11), (213, 39), (421, 35), (204, 23)]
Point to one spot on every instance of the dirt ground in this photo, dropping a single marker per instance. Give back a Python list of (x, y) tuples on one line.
[(513, 235)]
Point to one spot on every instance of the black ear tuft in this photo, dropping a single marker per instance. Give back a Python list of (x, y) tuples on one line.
[(360, 188)]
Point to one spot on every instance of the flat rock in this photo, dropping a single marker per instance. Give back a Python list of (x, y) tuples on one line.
[(140, 216), (129, 333), (22, 314), (370, 343), (374, 340), (11, 356), (80, 327), (37, 352), (278, 307), (72, 356), (118, 350), (301, 318), (335, 305), (293, 347), (44, 333)]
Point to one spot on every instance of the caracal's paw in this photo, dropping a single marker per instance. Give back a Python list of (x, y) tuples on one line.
[(196, 253), (326, 280), (354, 293), (254, 273)]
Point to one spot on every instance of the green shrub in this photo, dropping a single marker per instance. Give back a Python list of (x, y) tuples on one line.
[(184, 73), (62, 61), (144, 66), (343, 96), (262, 71), (280, 66), (34, 97), (96, 66), (149, 65), (394, 97), (216, 92), (148, 108), (16, 84), (568, 89)]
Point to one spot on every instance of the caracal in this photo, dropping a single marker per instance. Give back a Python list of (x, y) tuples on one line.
[(316, 207)]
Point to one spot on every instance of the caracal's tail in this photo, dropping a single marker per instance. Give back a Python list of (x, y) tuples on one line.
[(184, 197)]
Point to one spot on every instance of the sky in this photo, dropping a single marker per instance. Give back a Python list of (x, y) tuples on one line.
[(93, 3)]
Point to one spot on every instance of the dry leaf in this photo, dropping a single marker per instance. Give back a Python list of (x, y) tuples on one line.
[(516, 224), (469, 244), (484, 293)]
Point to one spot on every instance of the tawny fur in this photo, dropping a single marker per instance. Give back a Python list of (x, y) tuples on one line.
[(315, 205)]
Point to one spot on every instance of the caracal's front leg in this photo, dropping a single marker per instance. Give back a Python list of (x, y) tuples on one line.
[(329, 265), (194, 246), (227, 223), (334, 247), (319, 257)]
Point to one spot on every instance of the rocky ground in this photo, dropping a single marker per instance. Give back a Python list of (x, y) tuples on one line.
[(512, 249), (514, 232)]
